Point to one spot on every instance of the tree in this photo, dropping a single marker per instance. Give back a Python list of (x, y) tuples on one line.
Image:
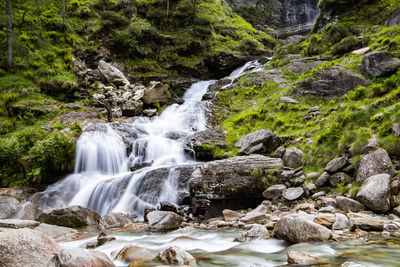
[(9, 33)]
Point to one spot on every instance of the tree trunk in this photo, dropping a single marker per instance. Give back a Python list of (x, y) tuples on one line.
[(9, 33)]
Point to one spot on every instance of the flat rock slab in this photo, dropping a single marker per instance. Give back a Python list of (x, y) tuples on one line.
[(16, 223), (293, 193)]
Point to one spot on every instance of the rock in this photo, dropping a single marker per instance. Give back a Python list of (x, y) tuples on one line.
[(237, 177), (79, 257), (339, 178), (293, 193), (309, 188), (365, 222), (130, 253), (132, 108), (114, 220), (336, 164), (136, 227), (325, 219), (361, 51), (139, 95), (286, 176), (351, 264), (348, 204), (255, 217), (257, 231), (322, 180), (161, 221), (293, 158), (375, 193), (297, 257), (74, 216), (298, 181), (230, 215), (374, 163), (167, 206), (56, 232), (279, 152), (26, 247), (16, 223), (260, 141), (176, 255), (150, 112), (331, 82), (288, 100), (394, 187), (203, 144), (373, 144), (112, 74), (312, 175), (103, 238), (157, 92), (341, 222), (274, 191), (8, 206), (296, 229), (379, 64), (396, 129), (318, 194)]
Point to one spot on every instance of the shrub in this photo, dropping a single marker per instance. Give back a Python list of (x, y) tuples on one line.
[(392, 145), (346, 45)]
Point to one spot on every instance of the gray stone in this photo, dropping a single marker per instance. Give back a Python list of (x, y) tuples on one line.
[(55, 231), (286, 176), (365, 222), (268, 140), (375, 193), (374, 163), (348, 204), (293, 158), (80, 257), (297, 257), (322, 179), (318, 194), (288, 100), (379, 63), (8, 206), (274, 191), (74, 216), (26, 247), (341, 222), (202, 143), (177, 256), (112, 74), (255, 217), (157, 92), (113, 220), (336, 164), (297, 229), (293, 193), (279, 152), (162, 221), (312, 175), (150, 112), (394, 19), (16, 223), (339, 178), (257, 231), (132, 108), (298, 181)]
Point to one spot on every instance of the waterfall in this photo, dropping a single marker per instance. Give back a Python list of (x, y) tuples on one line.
[(102, 180), (297, 12)]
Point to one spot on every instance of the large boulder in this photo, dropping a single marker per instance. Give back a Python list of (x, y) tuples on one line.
[(233, 178), (330, 82), (257, 231), (177, 256), (203, 144), (157, 92), (26, 247), (162, 221), (379, 63), (57, 232), (112, 74), (293, 158), (374, 163), (375, 193), (113, 220), (8, 206), (297, 229), (79, 257), (258, 142), (74, 216)]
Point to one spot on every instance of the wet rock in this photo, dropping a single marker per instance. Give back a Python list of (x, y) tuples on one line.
[(161, 221), (322, 179), (132, 108), (293, 193), (348, 204), (257, 231), (293, 158), (378, 64), (26, 247), (297, 229), (238, 177), (167, 206), (150, 112), (351, 264), (279, 152), (375, 193), (341, 222), (258, 142), (336, 164), (230, 215), (325, 219), (156, 92), (255, 217), (330, 82), (56, 232), (112, 74), (365, 222), (339, 178), (131, 253), (79, 257), (8, 206), (16, 223), (274, 191), (136, 227), (103, 238), (74, 216), (114, 220), (203, 144), (297, 257), (374, 163), (176, 255)]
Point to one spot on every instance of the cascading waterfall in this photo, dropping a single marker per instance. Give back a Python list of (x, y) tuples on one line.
[(299, 12), (102, 180)]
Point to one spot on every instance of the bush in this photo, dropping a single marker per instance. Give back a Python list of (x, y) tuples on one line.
[(346, 45), (392, 145)]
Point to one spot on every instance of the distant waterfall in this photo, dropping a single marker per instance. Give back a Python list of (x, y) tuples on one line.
[(296, 12)]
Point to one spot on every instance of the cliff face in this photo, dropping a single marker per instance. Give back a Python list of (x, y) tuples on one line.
[(277, 13)]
